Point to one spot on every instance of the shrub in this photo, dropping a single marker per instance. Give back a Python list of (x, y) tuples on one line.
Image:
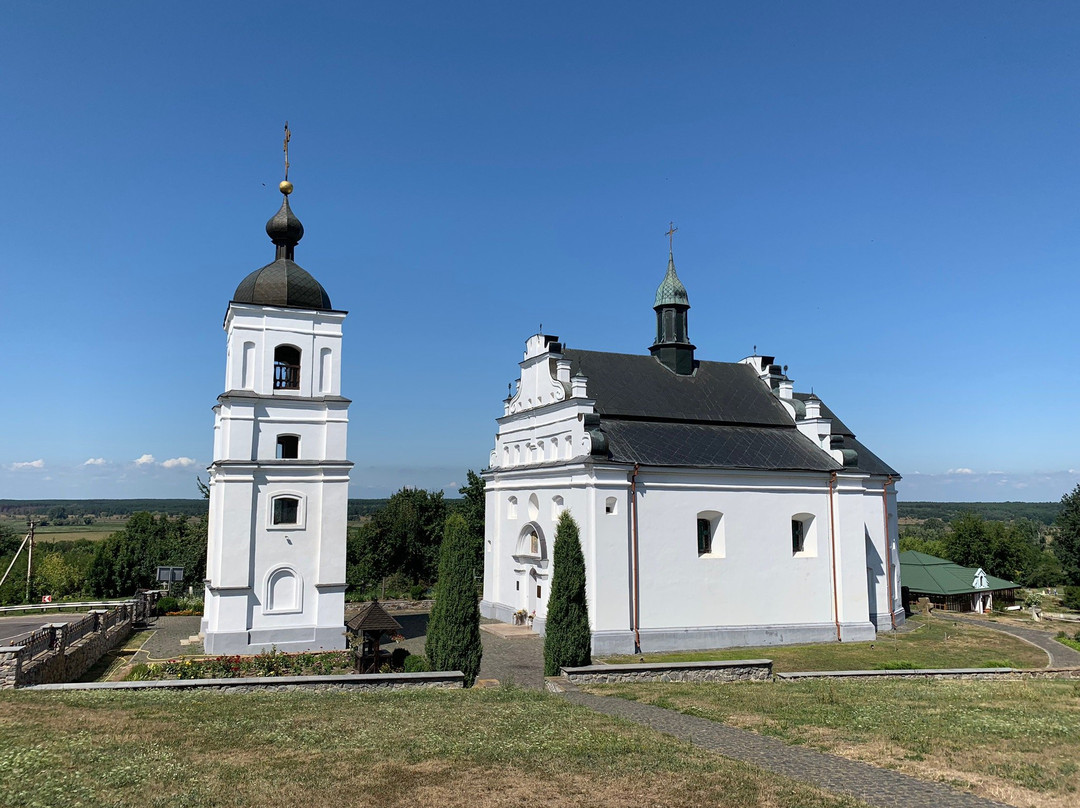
[(166, 605), (416, 664), (1071, 598), (453, 633), (417, 591), (139, 673), (897, 665), (568, 638)]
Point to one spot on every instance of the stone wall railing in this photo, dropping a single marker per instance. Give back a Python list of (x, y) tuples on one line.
[(350, 681), (60, 652), (737, 670)]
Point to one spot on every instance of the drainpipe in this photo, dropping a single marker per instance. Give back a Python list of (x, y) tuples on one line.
[(888, 547), (832, 542), (634, 559)]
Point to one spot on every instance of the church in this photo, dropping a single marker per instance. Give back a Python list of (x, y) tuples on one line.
[(275, 565), (717, 507)]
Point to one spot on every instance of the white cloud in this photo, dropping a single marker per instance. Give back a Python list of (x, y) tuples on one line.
[(145, 460), (960, 471), (177, 462), (28, 464), (95, 461)]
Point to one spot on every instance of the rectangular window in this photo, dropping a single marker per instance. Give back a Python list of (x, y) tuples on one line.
[(286, 511), (288, 447), (538, 593), (798, 538), (704, 536)]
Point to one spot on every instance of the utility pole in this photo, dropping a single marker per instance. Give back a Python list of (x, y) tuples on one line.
[(28, 539), (29, 557)]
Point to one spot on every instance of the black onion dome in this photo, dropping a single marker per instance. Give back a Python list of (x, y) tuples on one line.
[(284, 228), (282, 283)]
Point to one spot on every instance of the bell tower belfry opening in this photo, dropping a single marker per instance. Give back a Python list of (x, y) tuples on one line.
[(279, 481)]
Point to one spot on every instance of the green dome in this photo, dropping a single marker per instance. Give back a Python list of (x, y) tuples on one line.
[(671, 291)]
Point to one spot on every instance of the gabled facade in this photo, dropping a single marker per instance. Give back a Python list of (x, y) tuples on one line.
[(716, 506), (279, 480)]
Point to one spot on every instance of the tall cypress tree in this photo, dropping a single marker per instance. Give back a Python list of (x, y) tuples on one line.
[(453, 632), (568, 638)]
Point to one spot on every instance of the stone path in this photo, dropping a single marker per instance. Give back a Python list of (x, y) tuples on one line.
[(878, 787), (1061, 656)]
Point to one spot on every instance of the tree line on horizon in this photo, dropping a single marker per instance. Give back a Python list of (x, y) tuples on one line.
[(1031, 553)]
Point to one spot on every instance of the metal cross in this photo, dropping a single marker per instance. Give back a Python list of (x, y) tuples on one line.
[(672, 230), (288, 137)]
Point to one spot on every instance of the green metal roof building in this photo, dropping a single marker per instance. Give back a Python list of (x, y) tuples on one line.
[(950, 586)]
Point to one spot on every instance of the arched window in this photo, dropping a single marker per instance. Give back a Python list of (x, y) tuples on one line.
[(286, 511), (288, 447), (710, 534), (286, 367), (247, 368), (556, 508), (611, 505), (534, 506), (803, 535), (531, 542), (511, 508)]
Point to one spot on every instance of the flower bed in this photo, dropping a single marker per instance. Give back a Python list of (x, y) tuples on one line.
[(267, 663)]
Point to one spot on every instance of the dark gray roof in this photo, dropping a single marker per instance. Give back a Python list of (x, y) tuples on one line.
[(722, 416), (626, 385), (838, 426), (714, 446), (282, 283), (372, 617)]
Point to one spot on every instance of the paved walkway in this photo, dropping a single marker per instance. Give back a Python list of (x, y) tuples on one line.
[(1061, 656), (878, 787)]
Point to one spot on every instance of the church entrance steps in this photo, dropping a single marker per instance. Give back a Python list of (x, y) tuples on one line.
[(507, 631)]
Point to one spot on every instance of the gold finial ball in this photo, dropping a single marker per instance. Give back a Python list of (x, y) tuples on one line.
[(285, 187)]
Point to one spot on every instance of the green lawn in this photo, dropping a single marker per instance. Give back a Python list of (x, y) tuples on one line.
[(474, 749), (935, 643), (1015, 741)]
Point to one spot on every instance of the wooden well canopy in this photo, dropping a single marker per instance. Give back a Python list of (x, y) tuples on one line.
[(368, 624)]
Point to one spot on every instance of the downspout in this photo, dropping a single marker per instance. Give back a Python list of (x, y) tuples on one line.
[(888, 547), (832, 542), (634, 559)]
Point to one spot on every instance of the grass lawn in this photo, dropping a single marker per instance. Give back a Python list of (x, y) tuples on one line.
[(1015, 741), (934, 644), (474, 748)]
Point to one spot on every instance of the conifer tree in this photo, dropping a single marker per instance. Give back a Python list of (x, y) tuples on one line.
[(568, 638), (1067, 540), (453, 632)]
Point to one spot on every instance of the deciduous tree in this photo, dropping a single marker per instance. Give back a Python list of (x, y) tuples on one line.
[(1067, 538)]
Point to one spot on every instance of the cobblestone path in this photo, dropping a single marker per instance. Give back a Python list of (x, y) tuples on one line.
[(878, 787)]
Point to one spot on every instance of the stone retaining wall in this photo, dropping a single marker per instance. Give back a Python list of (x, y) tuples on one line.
[(64, 658), (938, 673), (739, 670), (250, 684)]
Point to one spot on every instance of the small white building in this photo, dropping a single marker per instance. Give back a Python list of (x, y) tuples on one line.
[(716, 506), (279, 481)]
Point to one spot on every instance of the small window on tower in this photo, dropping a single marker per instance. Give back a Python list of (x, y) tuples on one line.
[(286, 368), (286, 511), (288, 447)]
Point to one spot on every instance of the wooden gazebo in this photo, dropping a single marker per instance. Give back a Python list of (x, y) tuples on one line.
[(368, 625)]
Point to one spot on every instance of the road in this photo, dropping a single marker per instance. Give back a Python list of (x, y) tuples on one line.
[(12, 628)]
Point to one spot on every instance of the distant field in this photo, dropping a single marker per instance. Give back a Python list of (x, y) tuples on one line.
[(1044, 512), (94, 532)]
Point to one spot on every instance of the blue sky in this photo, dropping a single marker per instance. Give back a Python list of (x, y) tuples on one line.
[(883, 196)]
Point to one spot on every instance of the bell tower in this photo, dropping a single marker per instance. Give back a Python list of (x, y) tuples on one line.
[(279, 481), (672, 346)]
